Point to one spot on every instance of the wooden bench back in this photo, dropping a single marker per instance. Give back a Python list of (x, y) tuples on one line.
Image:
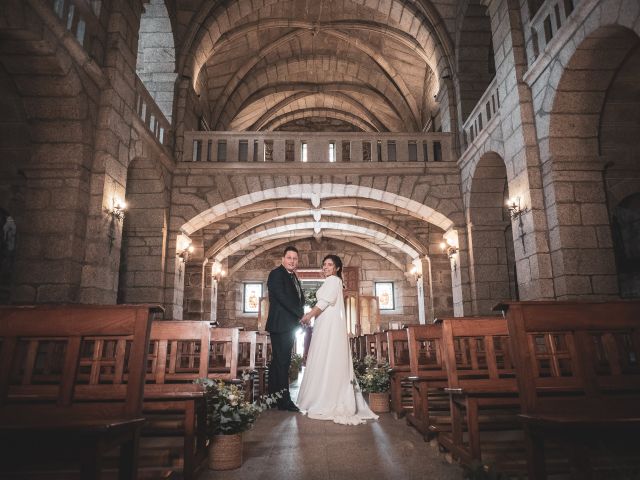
[(75, 361), (426, 356), (223, 353), (382, 348), (262, 349), (370, 346), (361, 346), (576, 356), (178, 354), (477, 354), (247, 349), (398, 349)]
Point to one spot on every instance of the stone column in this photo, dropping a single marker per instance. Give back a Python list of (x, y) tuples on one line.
[(521, 152), (99, 277)]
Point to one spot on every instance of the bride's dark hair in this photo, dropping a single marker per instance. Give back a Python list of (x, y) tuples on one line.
[(337, 262)]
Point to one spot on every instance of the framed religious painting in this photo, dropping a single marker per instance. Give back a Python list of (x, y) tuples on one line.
[(384, 292), (251, 297)]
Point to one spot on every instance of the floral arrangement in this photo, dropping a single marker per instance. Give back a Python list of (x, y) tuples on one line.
[(227, 410), (372, 378), (310, 297), (296, 361)]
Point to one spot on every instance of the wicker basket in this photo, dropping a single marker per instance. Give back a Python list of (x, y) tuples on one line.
[(379, 402), (225, 452)]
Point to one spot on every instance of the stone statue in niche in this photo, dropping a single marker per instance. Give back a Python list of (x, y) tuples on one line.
[(7, 252)]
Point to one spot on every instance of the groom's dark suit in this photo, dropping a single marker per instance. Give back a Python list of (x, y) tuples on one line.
[(285, 311)]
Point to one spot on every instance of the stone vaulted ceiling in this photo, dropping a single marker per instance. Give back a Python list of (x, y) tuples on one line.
[(312, 66), (348, 65)]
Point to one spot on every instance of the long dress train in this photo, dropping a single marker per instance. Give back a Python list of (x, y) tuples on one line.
[(329, 390)]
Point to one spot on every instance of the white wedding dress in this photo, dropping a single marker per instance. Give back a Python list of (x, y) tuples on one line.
[(328, 390)]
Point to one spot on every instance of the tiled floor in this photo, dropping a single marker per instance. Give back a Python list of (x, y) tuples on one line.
[(284, 446)]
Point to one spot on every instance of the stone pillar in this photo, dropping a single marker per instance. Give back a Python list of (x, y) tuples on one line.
[(579, 232), (214, 300), (99, 278), (521, 152)]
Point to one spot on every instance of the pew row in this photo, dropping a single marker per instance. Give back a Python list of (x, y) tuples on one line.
[(428, 376), (71, 387), (483, 393), (399, 371), (578, 374)]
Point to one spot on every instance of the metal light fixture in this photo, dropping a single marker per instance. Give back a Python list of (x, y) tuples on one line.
[(185, 248), (116, 212), (514, 208), (417, 275), (515, 212), (117, 209), (217, 272), (451, 249)]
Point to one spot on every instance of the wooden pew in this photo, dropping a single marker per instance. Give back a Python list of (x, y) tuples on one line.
[(381, 348), (430, 413), (399, 372), (247, 351), (483, 390), (223, 354), (370, 345), (578, 368), (173, 405), (361, 347), (263, 358), (71, 385)]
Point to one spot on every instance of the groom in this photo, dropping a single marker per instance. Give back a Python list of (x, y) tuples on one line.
[(286, 301)]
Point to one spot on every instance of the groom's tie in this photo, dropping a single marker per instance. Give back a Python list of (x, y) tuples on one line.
[(296, 283)]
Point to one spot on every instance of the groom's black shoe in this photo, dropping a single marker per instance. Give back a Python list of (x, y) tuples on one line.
[(291, 407)]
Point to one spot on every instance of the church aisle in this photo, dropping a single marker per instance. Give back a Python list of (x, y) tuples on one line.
[(286, 446)]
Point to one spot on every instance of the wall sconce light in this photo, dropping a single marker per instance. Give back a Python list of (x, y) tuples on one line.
[(417, 275), (451, 250), (514, 208), (117, 213), (217, 272), (117, 209), (516, 211), (185, 248), (184, 254)]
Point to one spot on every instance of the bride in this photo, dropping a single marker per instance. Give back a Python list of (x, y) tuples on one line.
[(329, 390)]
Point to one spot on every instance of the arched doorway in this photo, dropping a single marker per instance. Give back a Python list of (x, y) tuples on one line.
[(491, 239), (592, 164)]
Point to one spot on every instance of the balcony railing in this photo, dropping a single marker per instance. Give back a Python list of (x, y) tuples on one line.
[(317, 147), (546, 22), (487, 107), (151, 115)]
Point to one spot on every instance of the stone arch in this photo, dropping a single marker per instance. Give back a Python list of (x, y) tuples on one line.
[(347, 212), (582, 133), (211, 23), (475, 62), (324, 100), (356, 122), (156, 61), (492, 266), (309, 227), (317, 194), (264, 247), (419, 21), (144, 234), (340, 70), (396, 113), (386, 68)]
